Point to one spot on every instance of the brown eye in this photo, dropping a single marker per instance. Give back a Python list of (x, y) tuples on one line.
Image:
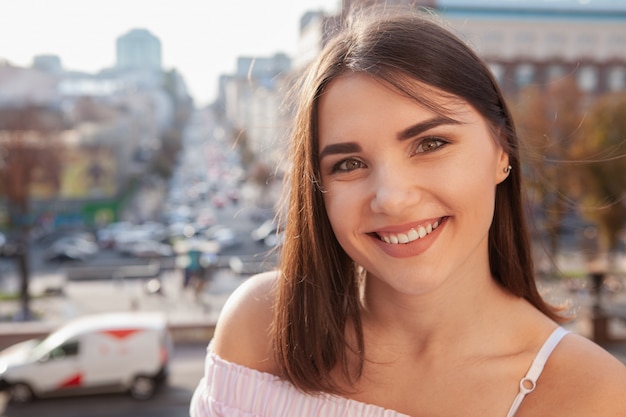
[(348, 165), (430, 144)]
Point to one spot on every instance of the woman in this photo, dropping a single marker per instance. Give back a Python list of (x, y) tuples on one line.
[(406, 282)]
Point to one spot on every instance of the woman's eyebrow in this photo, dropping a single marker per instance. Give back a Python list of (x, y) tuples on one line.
[(340, 148), (410, 132), (426, 125)]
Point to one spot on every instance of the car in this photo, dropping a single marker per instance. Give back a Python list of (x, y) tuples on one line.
[(233, 195), (106, 236), (149, 249), (275, 239), (218, 201), (70, 248), (101, 353), (265, 233), (11, 245), (224, 236)]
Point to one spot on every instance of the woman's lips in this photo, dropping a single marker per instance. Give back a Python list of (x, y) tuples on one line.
[(411, 235), (412, 241)]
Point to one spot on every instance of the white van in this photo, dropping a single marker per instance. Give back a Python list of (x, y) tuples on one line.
[(99, 353)]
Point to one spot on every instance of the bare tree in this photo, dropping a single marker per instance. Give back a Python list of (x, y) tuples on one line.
[(29, 155)]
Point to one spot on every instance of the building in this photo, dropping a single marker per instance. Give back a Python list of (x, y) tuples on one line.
[(523, 41), (538, 42), (251, 100), (139, 49), (48, 63)]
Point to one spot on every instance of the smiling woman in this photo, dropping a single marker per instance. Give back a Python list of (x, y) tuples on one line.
[(406, 284)]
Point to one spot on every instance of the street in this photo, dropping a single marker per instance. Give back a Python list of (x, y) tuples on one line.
[(171, 401)]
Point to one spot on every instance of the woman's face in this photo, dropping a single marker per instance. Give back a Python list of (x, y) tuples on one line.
[(409, 193)]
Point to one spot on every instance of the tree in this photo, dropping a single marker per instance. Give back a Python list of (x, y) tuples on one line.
[(548, 120), (29, 155), (601, 169)]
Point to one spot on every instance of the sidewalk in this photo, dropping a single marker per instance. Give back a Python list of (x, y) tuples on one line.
[(181, 305), (194, 315)]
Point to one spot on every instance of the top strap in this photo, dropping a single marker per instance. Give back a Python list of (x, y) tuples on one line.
[(529, 382)]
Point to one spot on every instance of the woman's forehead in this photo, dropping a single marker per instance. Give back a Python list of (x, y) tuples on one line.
[(428, 97)]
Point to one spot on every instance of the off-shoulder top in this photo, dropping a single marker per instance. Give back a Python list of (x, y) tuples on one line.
[(231, 390)]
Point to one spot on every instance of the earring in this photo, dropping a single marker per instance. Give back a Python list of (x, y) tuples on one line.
[(508, 169)]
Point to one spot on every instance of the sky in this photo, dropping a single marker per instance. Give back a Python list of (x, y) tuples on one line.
[(200, 38)]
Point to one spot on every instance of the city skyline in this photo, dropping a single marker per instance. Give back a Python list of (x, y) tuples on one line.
[(201, 42)]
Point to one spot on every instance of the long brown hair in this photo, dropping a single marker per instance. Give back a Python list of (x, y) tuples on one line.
[(318, 293)]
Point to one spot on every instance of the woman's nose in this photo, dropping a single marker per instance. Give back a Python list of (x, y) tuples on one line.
[(394, 191)]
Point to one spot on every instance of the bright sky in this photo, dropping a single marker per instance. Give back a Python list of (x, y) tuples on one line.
[(200, 38)]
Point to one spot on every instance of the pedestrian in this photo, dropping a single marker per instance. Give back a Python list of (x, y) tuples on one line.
[(192, 266), (405, 285), (208, 267)]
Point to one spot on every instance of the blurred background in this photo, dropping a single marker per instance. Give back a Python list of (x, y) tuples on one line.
[(142, 148)]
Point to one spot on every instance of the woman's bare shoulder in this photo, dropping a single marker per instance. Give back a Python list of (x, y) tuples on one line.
[(242, 334), (587, 379)]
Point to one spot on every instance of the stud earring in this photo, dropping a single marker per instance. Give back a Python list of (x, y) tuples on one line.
[(508, 169)]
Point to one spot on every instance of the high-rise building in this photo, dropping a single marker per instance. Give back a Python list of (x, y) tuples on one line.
[(139, 49), (48, 63)]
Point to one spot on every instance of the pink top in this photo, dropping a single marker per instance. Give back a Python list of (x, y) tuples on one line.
[(231, 390)]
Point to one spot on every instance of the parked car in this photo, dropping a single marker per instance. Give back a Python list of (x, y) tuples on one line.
[(148, 249), (71, 248), (110, 352), (225, 237), (4, 245), (265, 233), (11, 245), (107, 235)]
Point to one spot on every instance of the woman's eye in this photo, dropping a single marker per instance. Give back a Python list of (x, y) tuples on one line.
[(348, 165), (430, 144)]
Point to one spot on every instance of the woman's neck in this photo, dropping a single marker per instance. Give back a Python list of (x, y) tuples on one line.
[(467, 308)]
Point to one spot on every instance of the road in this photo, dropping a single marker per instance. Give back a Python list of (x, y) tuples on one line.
[(171, 401)]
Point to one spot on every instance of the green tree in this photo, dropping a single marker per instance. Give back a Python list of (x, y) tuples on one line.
[(601, 171), (29, 156)]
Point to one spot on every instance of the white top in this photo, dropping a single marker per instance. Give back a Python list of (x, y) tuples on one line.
[(231, 390)]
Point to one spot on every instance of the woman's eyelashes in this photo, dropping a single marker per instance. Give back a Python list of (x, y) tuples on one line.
[(429, 144), (422, 146), (347, 165)]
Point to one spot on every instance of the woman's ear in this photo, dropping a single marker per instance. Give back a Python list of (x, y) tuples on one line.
[(504, 168)]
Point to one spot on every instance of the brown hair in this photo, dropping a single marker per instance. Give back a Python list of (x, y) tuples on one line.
[(318, 293)]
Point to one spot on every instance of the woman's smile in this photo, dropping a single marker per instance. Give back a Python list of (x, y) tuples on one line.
[(411, 242), (410, 235)]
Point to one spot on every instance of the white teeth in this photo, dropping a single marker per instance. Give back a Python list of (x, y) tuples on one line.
[(410, 236)]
